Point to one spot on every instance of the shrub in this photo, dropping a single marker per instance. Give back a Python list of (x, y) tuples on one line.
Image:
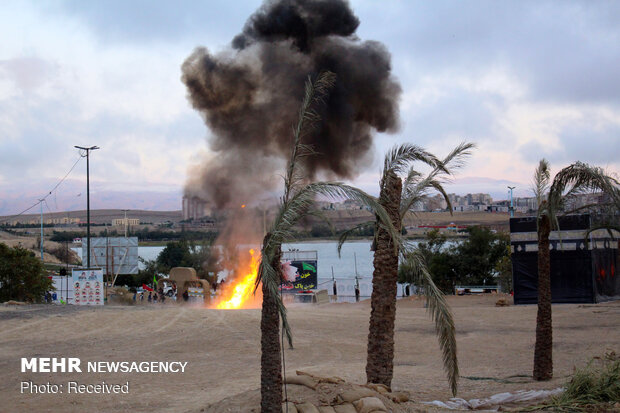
[(596, 387), (22, 275)]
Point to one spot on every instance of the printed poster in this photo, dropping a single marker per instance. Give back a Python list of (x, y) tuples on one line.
[(300, 275), (88, 286)]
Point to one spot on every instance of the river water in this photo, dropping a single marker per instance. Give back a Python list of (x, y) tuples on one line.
[(355, 259)]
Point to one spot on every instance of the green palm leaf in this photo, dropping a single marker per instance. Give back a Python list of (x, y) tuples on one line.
[(439, 311)]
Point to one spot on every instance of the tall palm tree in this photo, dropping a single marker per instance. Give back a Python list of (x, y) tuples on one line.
[(397, 199), (551, 199), (295, 204), (416, 187)]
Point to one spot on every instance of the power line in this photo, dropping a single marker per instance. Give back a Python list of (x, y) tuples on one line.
[(47, 206), (46, 195)]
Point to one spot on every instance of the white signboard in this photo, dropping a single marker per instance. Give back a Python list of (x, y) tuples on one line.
[(115, 255), (88, 286), (64, 290)]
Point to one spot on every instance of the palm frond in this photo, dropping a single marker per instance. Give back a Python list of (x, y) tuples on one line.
[(418, 192), (609, 227), (579, 178), (401, 155), (456, 158), (540, 184), (412, 177), (587, 207), (290, 213), (324, 218), (346, 234), (415, 188), (440, 313), (314, 93)]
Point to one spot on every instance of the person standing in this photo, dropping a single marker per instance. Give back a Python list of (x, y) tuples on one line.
[(150, 297)]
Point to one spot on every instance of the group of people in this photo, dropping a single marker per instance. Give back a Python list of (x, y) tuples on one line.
[(153, 297)]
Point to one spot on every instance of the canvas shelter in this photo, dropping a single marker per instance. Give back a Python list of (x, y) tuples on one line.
[(582, 270)]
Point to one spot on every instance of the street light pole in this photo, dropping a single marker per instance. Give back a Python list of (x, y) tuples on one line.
[(512, 210), (92, 148)]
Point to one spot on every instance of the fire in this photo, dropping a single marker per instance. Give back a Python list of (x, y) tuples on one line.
[(240, 293)]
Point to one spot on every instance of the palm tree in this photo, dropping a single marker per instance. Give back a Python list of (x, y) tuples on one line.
[(572, 180), (295, 204), (397, 199)]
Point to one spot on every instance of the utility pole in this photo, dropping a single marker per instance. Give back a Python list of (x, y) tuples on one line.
[(512, 210), (41, 243), (92, 148)]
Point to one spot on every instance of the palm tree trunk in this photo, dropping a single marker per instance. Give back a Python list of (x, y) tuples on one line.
[(543, 355), (271, 357), (380, 361)]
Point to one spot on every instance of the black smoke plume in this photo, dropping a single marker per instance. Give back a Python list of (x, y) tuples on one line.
[(249, 96)]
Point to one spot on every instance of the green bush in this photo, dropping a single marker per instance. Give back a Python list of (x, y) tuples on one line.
[(22, 275), (472, 261)]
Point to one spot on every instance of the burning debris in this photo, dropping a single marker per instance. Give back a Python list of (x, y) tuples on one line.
[(249, 95)]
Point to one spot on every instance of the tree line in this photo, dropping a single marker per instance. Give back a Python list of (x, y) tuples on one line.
[(143, 234), (483, 258)]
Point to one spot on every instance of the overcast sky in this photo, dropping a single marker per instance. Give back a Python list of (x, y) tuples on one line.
[(521, 79)]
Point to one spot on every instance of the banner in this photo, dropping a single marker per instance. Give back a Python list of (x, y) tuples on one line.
[(88, 286), (304, 273)]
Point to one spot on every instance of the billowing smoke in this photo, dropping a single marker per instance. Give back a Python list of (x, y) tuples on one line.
[(249, 96)]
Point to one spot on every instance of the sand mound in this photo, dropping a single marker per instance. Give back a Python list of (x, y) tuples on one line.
[(307, 393)]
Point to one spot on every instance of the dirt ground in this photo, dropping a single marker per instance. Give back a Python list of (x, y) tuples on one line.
[(222, 349)]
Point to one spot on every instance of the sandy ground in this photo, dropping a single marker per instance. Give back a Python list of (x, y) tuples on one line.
[(222, 350)]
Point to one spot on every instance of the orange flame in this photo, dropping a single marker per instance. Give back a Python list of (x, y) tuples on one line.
[(243, 206), (240, 293)]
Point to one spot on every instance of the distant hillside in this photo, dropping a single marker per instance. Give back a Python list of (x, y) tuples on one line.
[(349, 218), (105, 216), (340, 219)]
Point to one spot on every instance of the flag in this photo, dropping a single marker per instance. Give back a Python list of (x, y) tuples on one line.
[(146, 287), (154, 281)]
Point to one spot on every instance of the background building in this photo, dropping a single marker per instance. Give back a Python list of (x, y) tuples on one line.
[(195, 208)]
